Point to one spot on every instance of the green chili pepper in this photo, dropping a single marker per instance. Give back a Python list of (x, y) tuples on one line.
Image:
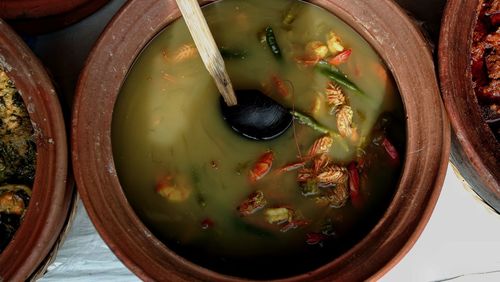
[(310, 122), (272, 42), (337, 76), (306, 120)]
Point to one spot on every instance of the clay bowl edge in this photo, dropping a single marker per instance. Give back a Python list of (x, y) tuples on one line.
[(473, 143), (42, 16), (50, 200)]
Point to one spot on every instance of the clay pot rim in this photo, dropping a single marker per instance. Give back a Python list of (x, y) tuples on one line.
[(50, 199), (29, 18), (15, 9), (468, 145), (88, 176)]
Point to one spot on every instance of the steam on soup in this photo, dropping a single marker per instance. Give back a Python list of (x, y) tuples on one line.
[(260, 209)]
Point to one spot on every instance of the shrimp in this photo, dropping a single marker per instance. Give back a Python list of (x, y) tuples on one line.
[(332, 175), (335, 96), (321, 146), (344, 116), (186, 51), (341, 58), (261, 167)]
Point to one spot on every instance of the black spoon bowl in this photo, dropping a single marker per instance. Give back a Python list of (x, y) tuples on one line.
[(256, 116)]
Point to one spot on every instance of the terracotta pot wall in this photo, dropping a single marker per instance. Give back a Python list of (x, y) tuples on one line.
[(476, 153), (15, 9), (50, 200), (42, 16)]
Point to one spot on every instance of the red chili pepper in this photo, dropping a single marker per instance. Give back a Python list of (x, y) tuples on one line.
[(495, 19), (261, 167), (354, 185), (313, 238), (481, 29), (361, 163), (341, 58), (353, 179), (391, 150), (281, 88), (207, 223)]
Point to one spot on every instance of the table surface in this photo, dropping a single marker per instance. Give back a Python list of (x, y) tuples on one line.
[(461, 242)]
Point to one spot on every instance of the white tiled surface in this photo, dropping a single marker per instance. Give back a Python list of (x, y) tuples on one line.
[(460, 243), (461, 238), (85, 257)]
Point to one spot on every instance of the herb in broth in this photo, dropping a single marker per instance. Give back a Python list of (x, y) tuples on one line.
[(313, 192)]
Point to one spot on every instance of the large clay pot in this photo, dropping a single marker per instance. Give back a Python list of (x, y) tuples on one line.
[(475, 151), (382, 23)]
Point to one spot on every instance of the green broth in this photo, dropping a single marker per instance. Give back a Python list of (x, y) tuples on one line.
[(167, 122)]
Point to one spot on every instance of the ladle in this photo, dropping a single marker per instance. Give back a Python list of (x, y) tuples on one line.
[(248, 112)]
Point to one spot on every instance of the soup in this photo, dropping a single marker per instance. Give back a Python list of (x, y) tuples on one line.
[(249, 208), (17, 159)]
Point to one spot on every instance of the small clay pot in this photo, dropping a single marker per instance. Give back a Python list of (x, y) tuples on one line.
[(475, 151), (382, 23), (50, 199), (41, 16)]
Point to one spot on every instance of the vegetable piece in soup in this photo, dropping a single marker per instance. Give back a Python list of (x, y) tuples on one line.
[(257, 209)]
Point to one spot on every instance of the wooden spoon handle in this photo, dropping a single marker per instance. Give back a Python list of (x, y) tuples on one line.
[(207, 48)]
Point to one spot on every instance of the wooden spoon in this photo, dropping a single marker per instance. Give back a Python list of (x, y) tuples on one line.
[(204, 41)]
